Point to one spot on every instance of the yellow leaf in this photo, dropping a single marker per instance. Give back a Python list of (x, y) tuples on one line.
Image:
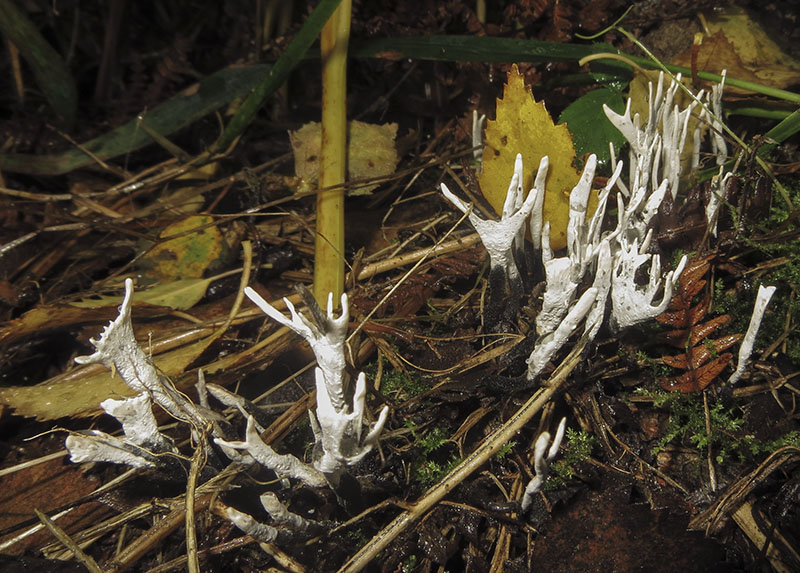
[(371, 152), (524, 126), (181, 295), (196, 246), (743, 47)]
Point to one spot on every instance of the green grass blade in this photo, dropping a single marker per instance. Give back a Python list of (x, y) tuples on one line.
[(490, 49), (209, 94), (786, 128), (279, 72), (473, 49), (49, 69)]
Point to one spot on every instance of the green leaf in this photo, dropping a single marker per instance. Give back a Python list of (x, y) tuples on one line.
[(193, 103), (590, 127), (49, 69)]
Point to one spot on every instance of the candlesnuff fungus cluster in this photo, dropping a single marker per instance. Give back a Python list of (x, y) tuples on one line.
[(612, 260), (338, 427), (599, 266)]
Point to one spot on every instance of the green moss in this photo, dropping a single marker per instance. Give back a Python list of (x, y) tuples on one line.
[(687, 426), (427, 469), (657, 368), (578, 448), (397, 384), (505, 450), (784, 253), (432, 440)]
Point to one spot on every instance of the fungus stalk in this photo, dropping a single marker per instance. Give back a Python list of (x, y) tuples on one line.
[(746, 349), (542, 458), (498, 239)]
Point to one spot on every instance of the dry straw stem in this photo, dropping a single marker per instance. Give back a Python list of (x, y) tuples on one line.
[(64, 538), (733, 503), (473, 462)]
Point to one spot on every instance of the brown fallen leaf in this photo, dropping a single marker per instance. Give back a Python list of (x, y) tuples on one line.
[(697, 380), (699, 355), (46, 486), (743, 47)]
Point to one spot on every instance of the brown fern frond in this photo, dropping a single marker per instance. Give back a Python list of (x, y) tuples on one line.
[(697, 380), (699, 355), (691, 331)]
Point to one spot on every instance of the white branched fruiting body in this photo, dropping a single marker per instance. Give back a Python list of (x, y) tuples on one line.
[(138, 422), (537, 213), (548, 345), (498, 236), (478, 123), (337, 427), (339, 431), (675, 127), (284, 465), (564, 274), (118, 351), (255, 529), (711, 117), (613, 257), (279, 514), (542, 458), (326, 340), (716, 195), (560, 290), (746, 349), (602, 284), (656, 147), (97, 446), (632, 304)]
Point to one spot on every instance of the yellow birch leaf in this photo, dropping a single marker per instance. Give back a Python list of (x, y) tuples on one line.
[(371, 152), (524, 126)]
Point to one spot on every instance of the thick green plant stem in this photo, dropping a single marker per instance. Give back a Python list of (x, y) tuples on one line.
[(329, 248), (49, 69)]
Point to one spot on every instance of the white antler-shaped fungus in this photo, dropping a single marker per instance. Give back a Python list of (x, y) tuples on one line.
[(498, 236), (631, 303), (326, 337), (339, 431), (746, 349), (284, 465)]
